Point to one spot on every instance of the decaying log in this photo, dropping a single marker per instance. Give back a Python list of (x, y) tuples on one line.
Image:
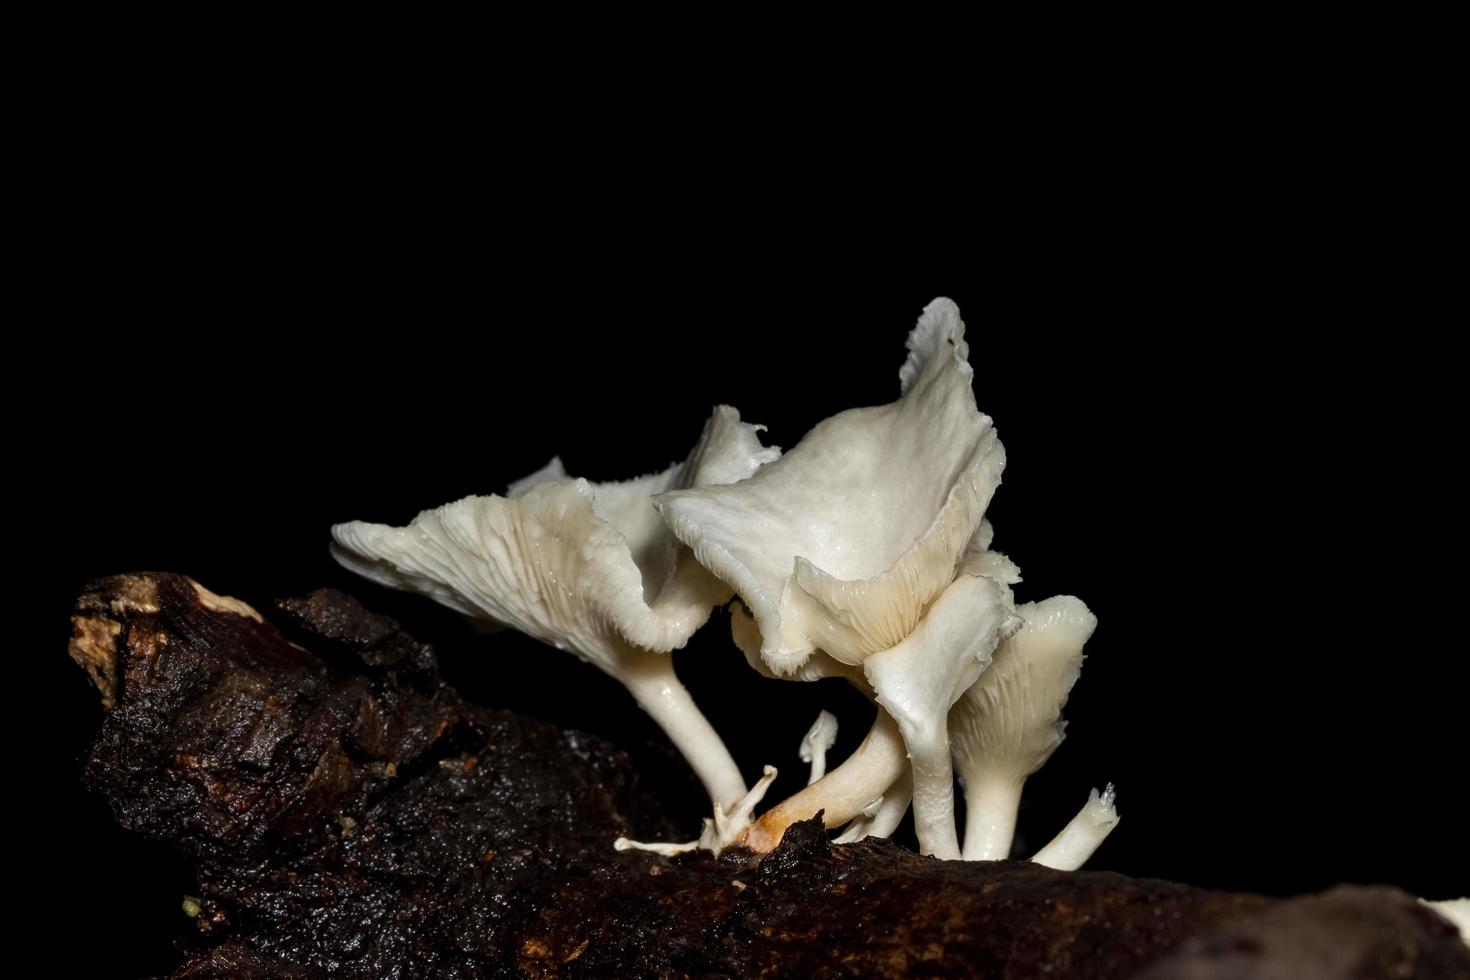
[(351, 816)]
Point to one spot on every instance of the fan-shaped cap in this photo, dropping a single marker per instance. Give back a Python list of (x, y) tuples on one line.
[(842, 543), (1009, 719), (582, 566)]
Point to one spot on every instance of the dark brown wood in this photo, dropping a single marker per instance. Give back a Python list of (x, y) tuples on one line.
[(351, 816)]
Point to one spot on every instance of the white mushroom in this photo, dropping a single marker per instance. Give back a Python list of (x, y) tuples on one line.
[(1008, 723), (919, 680), (842, 543), (863, 554), (816, 742), (585, 567)]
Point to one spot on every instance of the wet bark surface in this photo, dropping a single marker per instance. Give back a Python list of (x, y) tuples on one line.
[(350, 816)]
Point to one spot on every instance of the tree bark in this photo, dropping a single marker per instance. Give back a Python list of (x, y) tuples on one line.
[(351, 816)]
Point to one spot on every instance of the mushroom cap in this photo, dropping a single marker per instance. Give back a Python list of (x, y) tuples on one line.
[(819, 738), (582, 566), (842, 543), (1008, 721)]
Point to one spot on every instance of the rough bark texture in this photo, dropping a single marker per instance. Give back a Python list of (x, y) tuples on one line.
[(350, 816)]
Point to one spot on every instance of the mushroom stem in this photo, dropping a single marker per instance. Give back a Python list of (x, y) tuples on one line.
[(1070, 849), (842, 793), (933, 793), (990, 818), (651, 680)]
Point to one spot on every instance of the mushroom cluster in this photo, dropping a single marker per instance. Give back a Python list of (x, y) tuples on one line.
[(862, 553)]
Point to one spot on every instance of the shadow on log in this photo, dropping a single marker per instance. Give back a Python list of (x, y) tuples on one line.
[(351, 816)]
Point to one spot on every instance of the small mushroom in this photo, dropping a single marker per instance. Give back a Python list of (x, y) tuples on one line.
[(585, 567), (816, 742), (842, 543), (1009, 722), (920, 679)]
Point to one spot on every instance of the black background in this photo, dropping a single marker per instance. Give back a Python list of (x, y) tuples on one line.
[(1228, 430)]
